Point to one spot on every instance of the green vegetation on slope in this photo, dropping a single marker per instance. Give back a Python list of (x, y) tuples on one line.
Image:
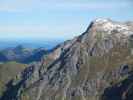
[(8, 71)]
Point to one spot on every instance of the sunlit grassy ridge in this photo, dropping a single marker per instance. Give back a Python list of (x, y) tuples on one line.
[(8, 71)]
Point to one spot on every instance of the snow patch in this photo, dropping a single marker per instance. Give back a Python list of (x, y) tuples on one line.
[(108, 26)]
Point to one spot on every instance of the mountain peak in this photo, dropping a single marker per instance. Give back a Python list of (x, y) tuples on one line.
[(108, 27), (102, 20), (101, 31)]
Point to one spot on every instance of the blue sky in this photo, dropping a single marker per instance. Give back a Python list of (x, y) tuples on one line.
[(57, 19)]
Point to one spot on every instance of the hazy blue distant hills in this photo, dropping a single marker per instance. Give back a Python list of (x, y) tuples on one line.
[(29, 51), (2, 57), (22, 54), (36, 55), (31, 43)]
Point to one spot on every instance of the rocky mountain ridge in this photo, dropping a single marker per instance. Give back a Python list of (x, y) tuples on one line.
[(87, 67)]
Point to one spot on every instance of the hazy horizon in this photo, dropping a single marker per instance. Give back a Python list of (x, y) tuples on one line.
[(47, 44), (56, 19)]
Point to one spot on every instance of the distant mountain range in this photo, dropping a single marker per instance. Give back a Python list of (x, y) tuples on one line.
[(22, 54), (30, 43)]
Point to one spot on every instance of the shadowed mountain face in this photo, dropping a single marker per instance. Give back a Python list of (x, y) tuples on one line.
[(21, 54), (96, 65)]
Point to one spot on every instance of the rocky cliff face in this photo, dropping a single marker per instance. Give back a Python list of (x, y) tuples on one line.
[(96, 65)]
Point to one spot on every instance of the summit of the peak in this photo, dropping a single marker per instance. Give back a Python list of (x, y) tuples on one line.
[(109, 26), (103, 28), (102, 20)]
